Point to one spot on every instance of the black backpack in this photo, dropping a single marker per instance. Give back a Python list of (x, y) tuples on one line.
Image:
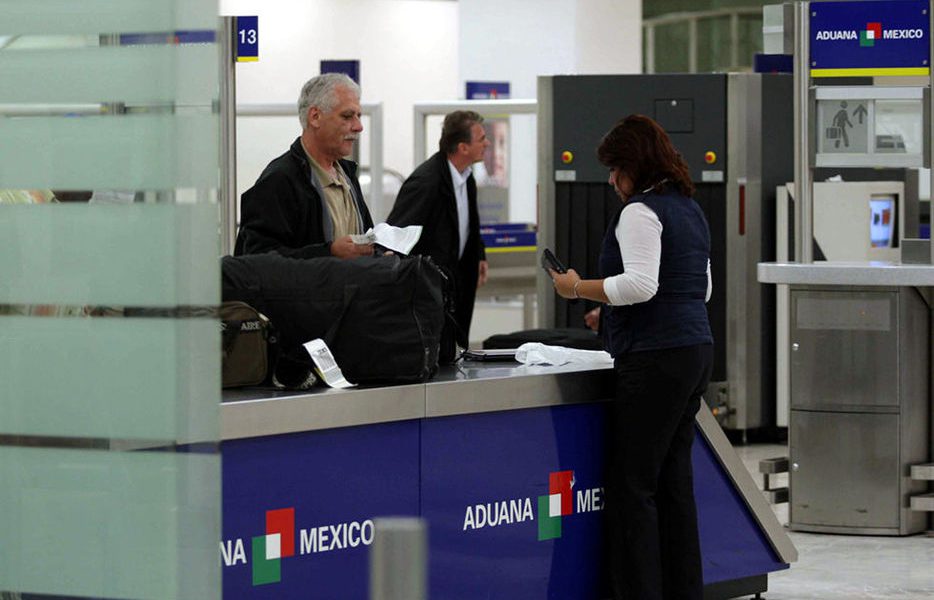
[(380, 316)]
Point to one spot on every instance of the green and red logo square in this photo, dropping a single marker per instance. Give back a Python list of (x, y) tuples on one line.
[(868, 36), (270, 549), (558, 503)]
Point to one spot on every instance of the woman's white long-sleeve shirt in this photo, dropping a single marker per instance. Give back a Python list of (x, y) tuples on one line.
[(639, 235)]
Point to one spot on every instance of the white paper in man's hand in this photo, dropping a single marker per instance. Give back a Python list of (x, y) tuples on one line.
[(397, 239)]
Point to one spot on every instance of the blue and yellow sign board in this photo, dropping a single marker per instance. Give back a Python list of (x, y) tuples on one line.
[(869, 39), (247, 42)]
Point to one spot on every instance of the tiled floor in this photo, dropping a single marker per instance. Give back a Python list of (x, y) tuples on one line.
[(847, 566)]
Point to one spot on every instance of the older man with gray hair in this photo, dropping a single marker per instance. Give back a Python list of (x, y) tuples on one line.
[(307, 203)]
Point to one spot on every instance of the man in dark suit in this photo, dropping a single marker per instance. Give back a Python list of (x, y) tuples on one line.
[(307, 203), (441, 196)]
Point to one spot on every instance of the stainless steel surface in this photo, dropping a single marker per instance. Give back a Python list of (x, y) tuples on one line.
[(802, 102), (476, 389), (929, 134), (399, 559), (462, 389), (782, 304), (847, 354), (754, 498), (923, 503), (744, 295), (228, 135), (910, 218), (546, 194), (254, 413), (771, 466), (848, 471), (923, 472), (861, 385), (875, 273), (872, 161), (865, 92)]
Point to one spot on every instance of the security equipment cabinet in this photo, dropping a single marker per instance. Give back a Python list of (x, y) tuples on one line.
[(735, 133), (859, 408)]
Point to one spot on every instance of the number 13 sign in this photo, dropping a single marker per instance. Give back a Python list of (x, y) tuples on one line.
[(247, 32)]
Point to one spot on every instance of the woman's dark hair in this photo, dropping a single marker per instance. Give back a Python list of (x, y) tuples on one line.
[(641, 149)]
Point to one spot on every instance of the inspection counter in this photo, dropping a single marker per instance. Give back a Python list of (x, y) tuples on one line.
[(478, 452), (855, 354), (875, 273)]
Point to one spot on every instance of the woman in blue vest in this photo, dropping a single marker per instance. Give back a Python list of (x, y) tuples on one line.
[(655, 280)]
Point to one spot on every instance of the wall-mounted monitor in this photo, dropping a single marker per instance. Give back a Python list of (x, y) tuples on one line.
[(882, 220), (859, 220)]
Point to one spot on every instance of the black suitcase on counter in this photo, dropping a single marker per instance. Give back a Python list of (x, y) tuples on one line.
[(380, 316)]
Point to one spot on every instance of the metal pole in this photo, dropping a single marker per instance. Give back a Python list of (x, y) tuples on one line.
[(650, 49), (419, 149), (734, 40), (803, 205), (545, 197), (228, 135), (930, 139), (692, 45), (398, 559), (377, 202)]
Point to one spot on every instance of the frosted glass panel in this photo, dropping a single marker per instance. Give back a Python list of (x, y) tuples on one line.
[(105, 16), (136, 152), (129, 74), (109, 524), (136, 255), (112, 377), (99, 496)]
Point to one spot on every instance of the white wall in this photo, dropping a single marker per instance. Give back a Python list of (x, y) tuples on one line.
[(425, 50), (519, 40), (608, 36), (407, 50)]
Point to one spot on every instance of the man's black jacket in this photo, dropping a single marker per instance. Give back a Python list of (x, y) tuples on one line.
[(427, 199), (284, 211)]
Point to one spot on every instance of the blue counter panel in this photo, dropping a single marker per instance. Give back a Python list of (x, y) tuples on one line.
[(310, 496), (474, 466), (510, 467), (513, 502), (733, 545)]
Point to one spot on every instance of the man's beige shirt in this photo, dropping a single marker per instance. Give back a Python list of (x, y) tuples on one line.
[(339, 199)]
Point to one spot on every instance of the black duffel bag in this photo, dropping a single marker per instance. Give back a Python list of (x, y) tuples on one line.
[(380, 316)]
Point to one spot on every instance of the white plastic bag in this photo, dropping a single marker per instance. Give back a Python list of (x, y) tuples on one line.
[(535, 353)]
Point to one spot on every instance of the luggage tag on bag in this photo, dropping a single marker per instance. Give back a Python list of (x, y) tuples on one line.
[(326, 366)]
